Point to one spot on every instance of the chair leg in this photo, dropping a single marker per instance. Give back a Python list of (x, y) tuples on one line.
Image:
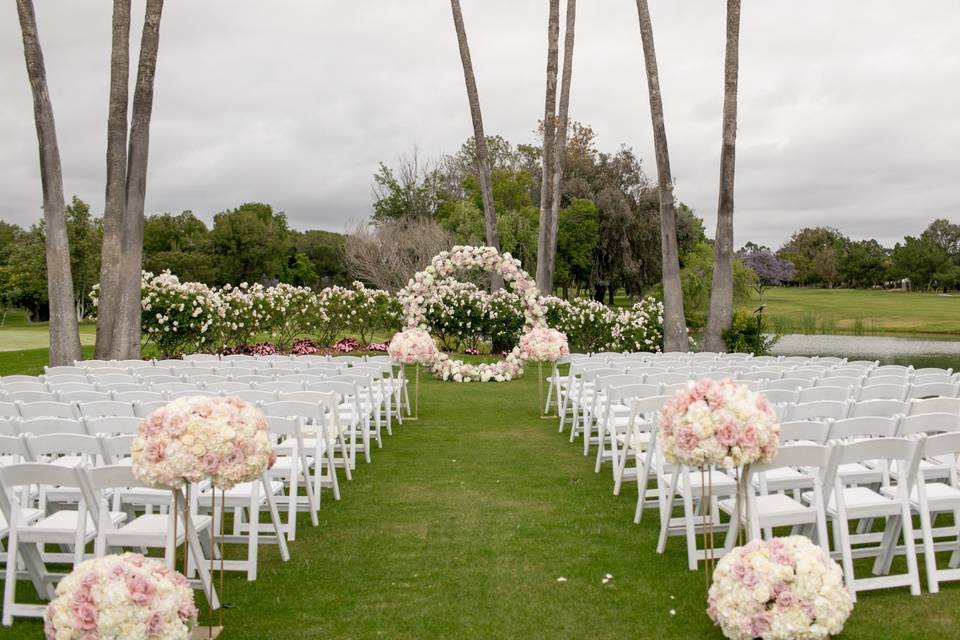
[(910, 544), (10, 579), (929, 553), (846, 555)]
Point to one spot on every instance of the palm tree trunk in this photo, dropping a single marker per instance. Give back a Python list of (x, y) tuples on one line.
[(116, 197), (674, 322), (544, 248), (560, 153), (721, 293), (127, 334), (64, 334), (479, 139)]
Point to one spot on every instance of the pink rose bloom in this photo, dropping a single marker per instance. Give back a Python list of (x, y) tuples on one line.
[(141, 590), (759, 624), (187, 611), (750, 579), (155, 451), (728, 435), (154, 624), (272, 460), (748, 437), (210, 462), (687, 439), (787, 598), (86, 617), (233, 458), (738, 570), (715, 398)]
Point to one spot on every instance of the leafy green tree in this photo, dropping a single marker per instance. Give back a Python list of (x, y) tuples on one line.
[(251, 243), (864, 264), (408, 191), (23, 278), (945, 235), (86, 237), (696, 277), (920, 260), (324, 249), (299, 271), (815, 253), (182, 244), (576, 243)]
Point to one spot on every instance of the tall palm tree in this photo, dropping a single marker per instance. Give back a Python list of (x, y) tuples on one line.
[(64, 334), (116, 197), (674, 323), (127, 334), (549, 143), (479, 139), (560, 151), (721, 292)]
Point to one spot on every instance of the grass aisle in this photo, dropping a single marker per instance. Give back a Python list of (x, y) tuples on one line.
[(460, 529)]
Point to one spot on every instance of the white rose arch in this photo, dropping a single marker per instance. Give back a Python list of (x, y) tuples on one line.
[(426, 283)]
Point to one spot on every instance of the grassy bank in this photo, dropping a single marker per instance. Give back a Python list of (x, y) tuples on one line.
[(860, 312)]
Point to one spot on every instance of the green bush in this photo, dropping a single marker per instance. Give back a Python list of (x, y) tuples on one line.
[(748, 334)]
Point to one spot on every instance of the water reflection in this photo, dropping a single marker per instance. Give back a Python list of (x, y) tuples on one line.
[(920, 352)]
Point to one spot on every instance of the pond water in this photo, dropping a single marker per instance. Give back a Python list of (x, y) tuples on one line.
[(919, 351)]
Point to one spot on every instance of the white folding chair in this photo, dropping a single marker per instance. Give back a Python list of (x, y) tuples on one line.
[(48, 410), (878, 408), (817, 410), (934, 390), (934, 405), (821, 394), (932, 498), (112, 425), (106, 408), (293, 465)]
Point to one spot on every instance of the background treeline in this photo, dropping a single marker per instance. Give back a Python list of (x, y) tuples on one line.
[(608, 241)]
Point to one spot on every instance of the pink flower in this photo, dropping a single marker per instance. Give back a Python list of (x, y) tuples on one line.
[(233, 458), (187, 611), (85, 617), (141, 590), (728, 434), (786, 598), (750, 579), (154, 624), (687, 439), (210, 463), (759, 624), (748, 436), (155, 451)]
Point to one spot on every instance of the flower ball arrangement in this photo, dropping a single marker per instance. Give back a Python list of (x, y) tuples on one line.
[(224, 440), (718, 423), (542, 344), (126, 597), (413, 346), (781, 589)]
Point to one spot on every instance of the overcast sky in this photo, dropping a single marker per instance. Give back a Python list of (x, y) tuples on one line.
[(849, 111)]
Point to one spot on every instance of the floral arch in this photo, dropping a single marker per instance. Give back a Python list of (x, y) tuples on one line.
[(447, 264)]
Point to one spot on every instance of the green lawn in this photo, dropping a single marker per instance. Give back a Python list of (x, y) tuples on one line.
[(460, 529), (795, 310)]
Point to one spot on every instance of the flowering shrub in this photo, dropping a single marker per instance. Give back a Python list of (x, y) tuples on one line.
[(346, 345), (289, 311), (781, 589), (504, 320), (303, 347), (413, 346), (121, 596), (262, 349), (639, 328), (456, 313), (591, 326), (377, 346), (191, 439), (718, 422), (544, 345), (447, 368)]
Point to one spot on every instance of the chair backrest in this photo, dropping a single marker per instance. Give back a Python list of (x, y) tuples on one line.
[(817, 431), (779, 396), (878, 408), (144, 409), (238, 358), (647, 406), (30, 474), (100, 378), (190, 372), (44, 426), (117, 447), (930, 378), (112, 425), (891, 369), (169, 387), (48, 409), (56, 386), (159, 376), (905, 451), (226, 388), (806, 373), (621, 393), (667, 378), (106, 408), (205, 358), (140, 395), (929, 423), (252, 379), (278, 385), (934, 390), (254, 395), (288, 364), (867, 427), (10, 426), (815, 394), (207, 379), (33, 385), (190, 393), (15, 449), (9, 410), (61, 444), (896, 380), (935, 405), (814, 410), (313, 410), (34, 397), (235, 371), (789, 383), (64, 370), (800, 455), (276, 357), (121, 387), (883, 392), (116, 476), (943, 444), (619, 379)]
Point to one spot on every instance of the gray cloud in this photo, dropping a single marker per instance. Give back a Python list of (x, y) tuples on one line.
[(847, 110)]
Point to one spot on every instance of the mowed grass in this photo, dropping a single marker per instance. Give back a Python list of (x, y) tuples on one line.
[(463, 524), (796, 310)]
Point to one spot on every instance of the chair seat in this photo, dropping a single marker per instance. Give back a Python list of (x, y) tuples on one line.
[(62, 525), (858, 499), (777, 507), (859, 473), (154, 524), (635, 441), (786, 477), (28, 515), (717, 480)]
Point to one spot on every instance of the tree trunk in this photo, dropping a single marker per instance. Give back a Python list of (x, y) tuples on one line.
[(479, 139), (64, 334), (560, 152), (115, 200), (546, 251), (721, 293), (127, 334), (674, 321)]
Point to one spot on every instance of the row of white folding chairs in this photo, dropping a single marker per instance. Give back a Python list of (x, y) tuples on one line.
[(896, 489)]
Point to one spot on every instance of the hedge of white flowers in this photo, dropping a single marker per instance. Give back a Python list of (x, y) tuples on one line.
[(183, 317)]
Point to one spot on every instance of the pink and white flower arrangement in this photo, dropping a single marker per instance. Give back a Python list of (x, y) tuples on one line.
[(121, 596), (543, 344), (718, 423), (447, 368), (781, 589), (196, 438), (413, 346)]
